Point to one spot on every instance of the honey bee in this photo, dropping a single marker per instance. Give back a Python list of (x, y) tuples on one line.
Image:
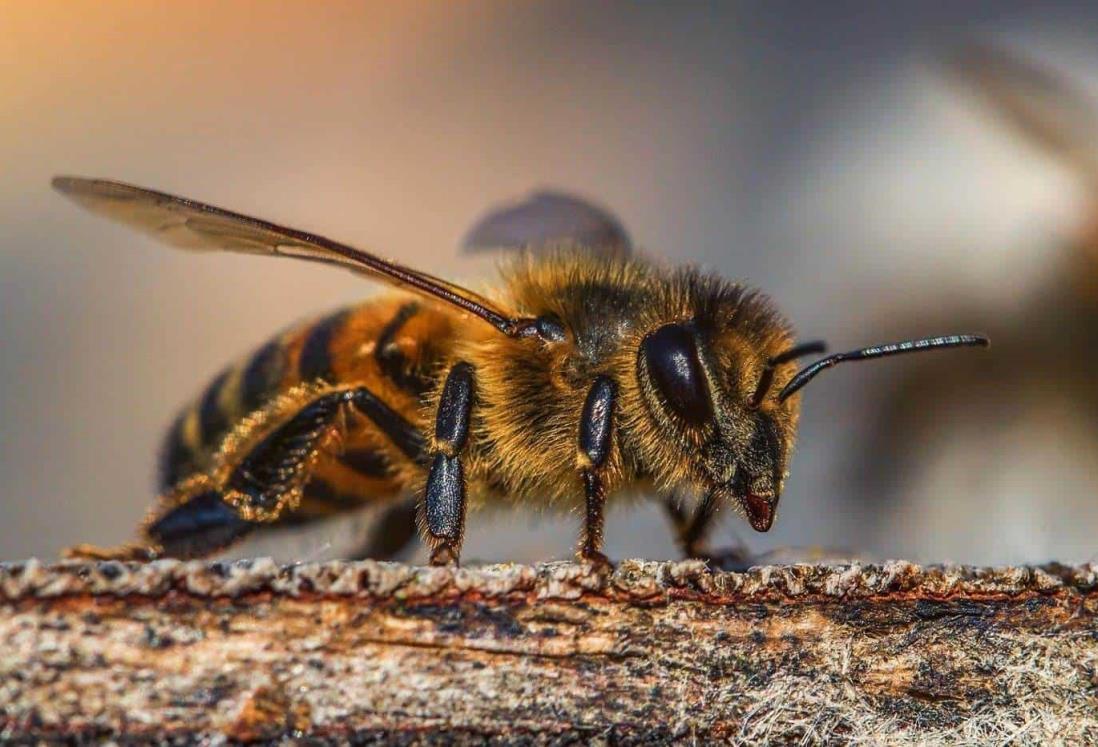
[(588, 371)]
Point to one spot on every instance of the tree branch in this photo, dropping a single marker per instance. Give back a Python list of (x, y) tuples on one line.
[(657, 652)]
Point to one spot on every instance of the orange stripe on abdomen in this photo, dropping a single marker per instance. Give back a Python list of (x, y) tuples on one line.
[(390, 346)]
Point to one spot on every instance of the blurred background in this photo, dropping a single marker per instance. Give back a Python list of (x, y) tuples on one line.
[(828, 153)]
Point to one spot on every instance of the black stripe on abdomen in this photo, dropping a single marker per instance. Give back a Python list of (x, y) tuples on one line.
[(176, 458), (263, 374), (392, 362), (316, 353), (213, 421)]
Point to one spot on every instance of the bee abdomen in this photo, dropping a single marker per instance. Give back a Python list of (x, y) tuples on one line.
[(200, 428), (388, 346), (316, 361), (179, 456), (263, 375), (391, 361), (213, 419)]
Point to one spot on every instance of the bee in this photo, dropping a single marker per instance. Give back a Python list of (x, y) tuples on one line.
[(587, 372)]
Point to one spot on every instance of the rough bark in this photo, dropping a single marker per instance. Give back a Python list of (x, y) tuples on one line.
[(655, 652)]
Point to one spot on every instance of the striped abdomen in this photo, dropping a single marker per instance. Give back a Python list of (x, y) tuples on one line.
[(390, 346)]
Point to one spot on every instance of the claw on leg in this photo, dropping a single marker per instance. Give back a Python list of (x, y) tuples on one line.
[(599, 560), (445, 555)]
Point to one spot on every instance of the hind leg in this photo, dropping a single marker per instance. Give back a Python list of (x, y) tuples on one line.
[(259, 476), (193, 521)]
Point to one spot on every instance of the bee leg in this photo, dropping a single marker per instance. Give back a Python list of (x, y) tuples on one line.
[(262, 480), (266, 479), (444, 499), (691, 531), (193, 520), (198, 525), (596, 424)]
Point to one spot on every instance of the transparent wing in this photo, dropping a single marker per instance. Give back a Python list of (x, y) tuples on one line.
[(545, 219), (189, 224)]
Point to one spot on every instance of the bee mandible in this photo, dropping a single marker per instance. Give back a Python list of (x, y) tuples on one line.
[(589, 371)]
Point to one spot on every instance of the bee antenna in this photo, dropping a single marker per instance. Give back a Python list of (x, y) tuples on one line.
[(806, 375), (767, 378)]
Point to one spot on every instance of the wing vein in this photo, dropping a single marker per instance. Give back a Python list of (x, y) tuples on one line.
[(189, 224)]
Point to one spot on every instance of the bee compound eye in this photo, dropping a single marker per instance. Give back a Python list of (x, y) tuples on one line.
[(670, 355)]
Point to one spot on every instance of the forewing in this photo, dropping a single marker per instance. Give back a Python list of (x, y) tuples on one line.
[(547, 219), (192, 225)]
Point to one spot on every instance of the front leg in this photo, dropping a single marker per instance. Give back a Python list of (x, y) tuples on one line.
[(444, 499), (596, 427), (691, 530)]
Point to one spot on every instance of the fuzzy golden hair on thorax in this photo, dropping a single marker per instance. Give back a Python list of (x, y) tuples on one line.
[(529, 395)]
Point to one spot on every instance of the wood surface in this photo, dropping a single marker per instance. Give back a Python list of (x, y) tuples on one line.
[(557, 653)]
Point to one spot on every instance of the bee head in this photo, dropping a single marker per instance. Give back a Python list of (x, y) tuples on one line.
[(709, 389), (712, 395)]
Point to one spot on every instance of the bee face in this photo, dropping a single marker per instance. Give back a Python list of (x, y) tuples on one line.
[(757, 483), (700, 384)]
